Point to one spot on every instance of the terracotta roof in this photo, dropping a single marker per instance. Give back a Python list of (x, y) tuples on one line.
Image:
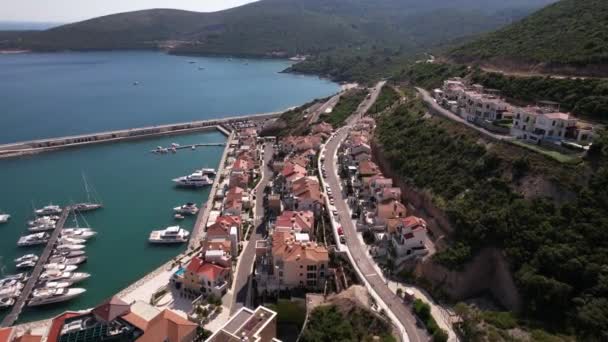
[(208, 270), (306, 187), (222, 225), (391, 209), (285, 247), (28, 338), (302, 220), (110, 309), (168, 326), (368, 168), (217, 245), (5, 334), (290, 168), (136, 320), (558, 116), (240, 164)]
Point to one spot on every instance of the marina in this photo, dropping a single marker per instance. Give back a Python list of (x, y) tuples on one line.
[(126, 219)]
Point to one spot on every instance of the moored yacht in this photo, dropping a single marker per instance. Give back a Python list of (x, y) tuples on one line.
[(195, 180), (68, 261), (71, 240), (49, 210), (55, 284), (60, 267), (169, 235), (186, 209), (42, 228), (8, 283), (67, 247), (53, 295), (67, 253), (18, 277), (11, 291), (33, 239), (26, 258), (26, 264), (58, 275), (79, 233), (43, 220), (82, 207)]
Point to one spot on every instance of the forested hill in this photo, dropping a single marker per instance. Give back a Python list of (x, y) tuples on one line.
[(569, 37), (288, 26)]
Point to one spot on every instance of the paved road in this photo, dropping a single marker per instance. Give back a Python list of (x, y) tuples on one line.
[(357, 250), (242, 277), (332, 102), (426, 97)]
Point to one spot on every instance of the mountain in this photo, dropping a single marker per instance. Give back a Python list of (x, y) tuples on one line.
[(569, 37), (285, 27)]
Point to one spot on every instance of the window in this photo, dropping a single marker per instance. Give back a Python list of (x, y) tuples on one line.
[(553, 123), (321, 274), (301, 266), (311, 276), (311, 267), (311, 283), (301, 274)]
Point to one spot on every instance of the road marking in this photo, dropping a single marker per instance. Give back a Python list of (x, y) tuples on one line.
[(371, 275)]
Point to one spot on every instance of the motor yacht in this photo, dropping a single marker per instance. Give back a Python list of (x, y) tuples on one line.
[(208, 172), (49, 210), (43, 220), (195, 180), (68, 247), (71, 241), (26, 258), (68, 261), (18, 277), (26, 264), (11, 291), (80, 233), (67, 254), (55, 284), (10, 283), (169, 235), (60, 267), (42, 228), (186, 209), (58, 275), (33, 239), (53, 295), (83, 207)]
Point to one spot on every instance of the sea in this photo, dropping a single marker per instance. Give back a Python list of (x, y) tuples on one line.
[(48, 95)]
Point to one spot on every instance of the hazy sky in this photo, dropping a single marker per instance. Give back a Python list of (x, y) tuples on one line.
[(74, 10)]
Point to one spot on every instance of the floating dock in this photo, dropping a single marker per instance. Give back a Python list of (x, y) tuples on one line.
[(12, 317)]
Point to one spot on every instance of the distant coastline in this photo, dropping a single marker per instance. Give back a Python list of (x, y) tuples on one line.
[(13, 51)]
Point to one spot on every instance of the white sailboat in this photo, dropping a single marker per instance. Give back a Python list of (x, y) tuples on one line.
[(4, 217), (90, 204)]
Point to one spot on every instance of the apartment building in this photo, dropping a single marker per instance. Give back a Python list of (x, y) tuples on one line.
[(259, 325)]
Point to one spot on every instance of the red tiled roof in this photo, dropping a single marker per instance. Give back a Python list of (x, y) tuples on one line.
[(5, 334), (57, 324), (209, 270), (110, 309)]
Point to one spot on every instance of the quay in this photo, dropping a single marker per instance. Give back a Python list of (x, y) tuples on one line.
[(12, 317), (52, 144)]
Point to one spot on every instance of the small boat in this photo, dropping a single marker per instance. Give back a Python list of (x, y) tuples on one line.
[(195, 180), (68, 254), (43, 220), (68, 261), (79, 233), (6, 302), (178, 217), (58, 275), (53, 295), (172, 234), (26, 264), (27, 257), (135, 83), (4, 218), (175, 145), (193, 147), (82, 207), (33, 239), (68, 247), (60, 267), (186, 209), (71, 241), (173, 150), (49, 210), (201, 68), (192, 62)]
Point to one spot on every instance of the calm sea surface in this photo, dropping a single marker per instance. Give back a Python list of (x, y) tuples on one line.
[(57, 94), (49, 95)]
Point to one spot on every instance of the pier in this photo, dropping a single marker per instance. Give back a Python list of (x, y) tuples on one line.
[(52, 144), (182, 147), (12, 317)]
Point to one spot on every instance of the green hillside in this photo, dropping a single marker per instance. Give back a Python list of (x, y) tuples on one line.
[(285, 26), (568, 36)]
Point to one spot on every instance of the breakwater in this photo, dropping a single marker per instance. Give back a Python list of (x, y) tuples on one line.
[(52, 144)]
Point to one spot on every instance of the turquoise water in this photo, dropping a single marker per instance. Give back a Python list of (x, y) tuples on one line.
[(136, 189), (50, 95)]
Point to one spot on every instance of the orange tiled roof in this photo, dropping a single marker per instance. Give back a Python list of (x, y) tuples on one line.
[(306, 187), (209, 270), (286, 248), (303, 220), (5, 334)]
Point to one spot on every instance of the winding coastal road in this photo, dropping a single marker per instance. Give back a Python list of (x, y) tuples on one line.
[(403, 313), (243, 276)]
